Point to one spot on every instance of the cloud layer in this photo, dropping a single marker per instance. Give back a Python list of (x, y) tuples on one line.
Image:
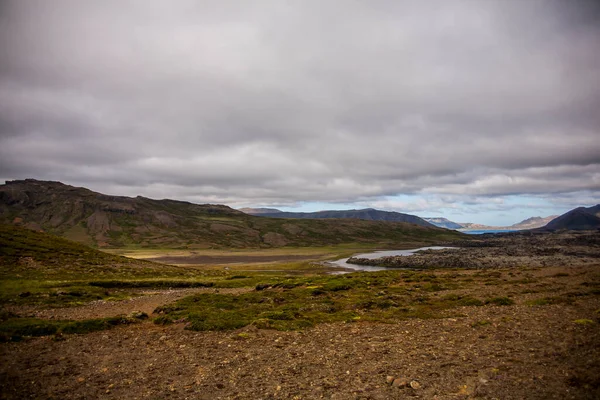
[(270, 102)]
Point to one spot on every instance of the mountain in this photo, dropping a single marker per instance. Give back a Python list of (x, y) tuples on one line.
[(529, 223), (367, 214), (533, 222), (443, 223), (106, 221), (259, 211), (580, 218)]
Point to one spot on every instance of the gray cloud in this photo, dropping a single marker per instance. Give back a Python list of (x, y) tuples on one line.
[(275, 102)]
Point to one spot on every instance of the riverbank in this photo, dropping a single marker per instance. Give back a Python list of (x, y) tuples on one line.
[(503, 251)]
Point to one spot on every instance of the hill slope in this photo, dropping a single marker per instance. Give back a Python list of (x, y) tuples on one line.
[(366, 214), (114, 221), (533, 222), (26, 253), (443, 223), (580, 218)]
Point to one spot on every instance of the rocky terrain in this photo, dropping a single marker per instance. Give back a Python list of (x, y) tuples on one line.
[(524, 327), (502, 251)]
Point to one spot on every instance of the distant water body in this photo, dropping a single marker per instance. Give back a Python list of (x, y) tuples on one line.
[(379, 254), (482, 231)]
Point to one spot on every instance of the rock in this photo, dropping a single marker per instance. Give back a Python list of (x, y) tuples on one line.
[(138, 315), (400, 382), (415, 385)]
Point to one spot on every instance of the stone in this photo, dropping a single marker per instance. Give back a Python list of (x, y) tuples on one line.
[(400, 382), (415, 385), (138, 315)]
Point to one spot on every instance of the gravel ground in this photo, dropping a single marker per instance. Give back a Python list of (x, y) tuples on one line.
[(489, 352), (523, 352)]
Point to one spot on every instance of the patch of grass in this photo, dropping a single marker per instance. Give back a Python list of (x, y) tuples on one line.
[(478, 324), (299, 302), (500, 301), (15, 329), (584, 322), (151, 283), (462, 300)]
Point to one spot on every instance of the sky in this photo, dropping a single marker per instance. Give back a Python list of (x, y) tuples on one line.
[(475, 110)]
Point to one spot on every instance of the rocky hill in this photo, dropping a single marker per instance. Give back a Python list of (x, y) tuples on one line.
[(533, 222), (367, 214), (580, 218), (107, 221), (443, 223), (529, 223)]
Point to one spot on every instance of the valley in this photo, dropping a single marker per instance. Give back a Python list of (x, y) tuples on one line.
[(274, 323)]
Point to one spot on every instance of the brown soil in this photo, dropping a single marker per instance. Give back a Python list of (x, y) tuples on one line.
[(519, 351), (523, 352)]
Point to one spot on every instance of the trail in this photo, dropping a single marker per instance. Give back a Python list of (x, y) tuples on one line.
[(147, 302)]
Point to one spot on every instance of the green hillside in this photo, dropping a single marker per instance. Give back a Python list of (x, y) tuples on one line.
[(26, 254), (123, 222)]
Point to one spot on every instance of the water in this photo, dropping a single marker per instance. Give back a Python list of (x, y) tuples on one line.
[(378, 254), (482, 231)]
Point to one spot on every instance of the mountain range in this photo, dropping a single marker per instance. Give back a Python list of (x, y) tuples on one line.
[(371, 214), (529, 223), (107, 221), (367, 214)]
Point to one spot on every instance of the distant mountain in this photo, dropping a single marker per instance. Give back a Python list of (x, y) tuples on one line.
[(106, 221), (259, 211), (367, 214), (580, 218), (529, 223), (533, 222), (443, 223)]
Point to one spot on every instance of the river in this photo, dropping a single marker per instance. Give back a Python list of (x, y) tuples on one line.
[(378, 254)]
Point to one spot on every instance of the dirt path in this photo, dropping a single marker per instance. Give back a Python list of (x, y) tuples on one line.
[(147, 302)]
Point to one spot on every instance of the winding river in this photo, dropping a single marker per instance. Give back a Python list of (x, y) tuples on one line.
[(378, 254)]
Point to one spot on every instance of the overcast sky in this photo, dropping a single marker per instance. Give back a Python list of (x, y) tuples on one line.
[(480, 111)]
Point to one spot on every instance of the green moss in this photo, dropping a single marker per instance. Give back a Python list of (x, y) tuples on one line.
[(299, 302), (500, 301), (584, 322), (15, 329)]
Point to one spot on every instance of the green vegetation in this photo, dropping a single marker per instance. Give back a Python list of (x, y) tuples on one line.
[(584, 322), (296, 303), (122, 222), (500, 301), (15, 329), (27, 254)]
